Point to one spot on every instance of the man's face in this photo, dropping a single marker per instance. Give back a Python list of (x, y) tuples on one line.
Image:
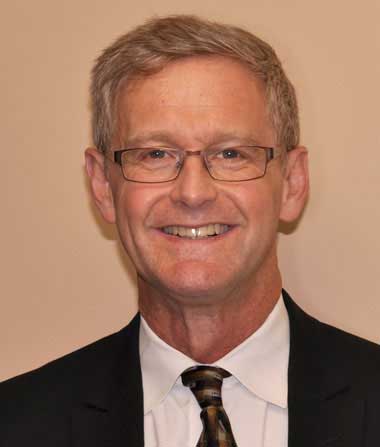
[(193, 104)]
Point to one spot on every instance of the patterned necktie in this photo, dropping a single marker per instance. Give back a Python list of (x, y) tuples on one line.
[(206, 384)]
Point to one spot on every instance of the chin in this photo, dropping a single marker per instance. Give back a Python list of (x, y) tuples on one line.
[(195, 282)]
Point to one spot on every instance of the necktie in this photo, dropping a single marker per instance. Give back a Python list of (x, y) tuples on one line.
[(206, 384)]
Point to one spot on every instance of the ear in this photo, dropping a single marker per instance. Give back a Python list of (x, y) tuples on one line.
[(100, 187), (296, 184)]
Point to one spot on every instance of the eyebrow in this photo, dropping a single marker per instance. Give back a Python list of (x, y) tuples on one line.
[(166, 139), (149, 137)]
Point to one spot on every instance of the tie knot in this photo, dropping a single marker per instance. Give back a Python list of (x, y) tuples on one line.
[(206, 383)]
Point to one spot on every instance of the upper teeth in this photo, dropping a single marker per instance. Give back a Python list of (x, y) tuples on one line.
[(196, 232)]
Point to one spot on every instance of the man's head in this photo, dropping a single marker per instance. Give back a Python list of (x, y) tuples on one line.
[(188, 98)]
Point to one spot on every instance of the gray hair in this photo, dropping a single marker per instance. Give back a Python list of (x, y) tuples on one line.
[(150, 47)]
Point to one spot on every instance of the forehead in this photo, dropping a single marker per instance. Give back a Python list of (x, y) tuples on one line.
[(196, 96)]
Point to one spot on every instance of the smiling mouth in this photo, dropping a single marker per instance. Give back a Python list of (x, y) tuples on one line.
[(203, 232)]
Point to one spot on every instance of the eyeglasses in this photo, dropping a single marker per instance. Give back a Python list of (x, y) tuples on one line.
[(161, 164)]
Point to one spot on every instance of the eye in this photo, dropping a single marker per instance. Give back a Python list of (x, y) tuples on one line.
[(153, 156), (230, 153), (156, 153), (232, 156)]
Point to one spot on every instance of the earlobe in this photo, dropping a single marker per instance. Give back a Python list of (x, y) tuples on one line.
[(296, 184), (100, 187)]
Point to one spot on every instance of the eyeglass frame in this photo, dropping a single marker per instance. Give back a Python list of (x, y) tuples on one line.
[(269, 152)]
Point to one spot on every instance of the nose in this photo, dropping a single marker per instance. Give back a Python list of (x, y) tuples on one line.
[(194, 187)]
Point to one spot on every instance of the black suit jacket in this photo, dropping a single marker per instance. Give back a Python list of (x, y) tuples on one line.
[(93, 397)]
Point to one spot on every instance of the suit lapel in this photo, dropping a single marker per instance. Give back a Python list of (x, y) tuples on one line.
[(110, 409), (324, 410)]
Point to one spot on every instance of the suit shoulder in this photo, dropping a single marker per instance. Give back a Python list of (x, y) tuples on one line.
[(66, 374), (344, 337), (323, 344), (38, 406), (344, 344)]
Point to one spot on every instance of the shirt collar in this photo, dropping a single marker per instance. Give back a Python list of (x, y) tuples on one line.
[(161, 365), (260, 363)]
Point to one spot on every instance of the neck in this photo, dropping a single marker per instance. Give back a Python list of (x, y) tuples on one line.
[(208, 330)]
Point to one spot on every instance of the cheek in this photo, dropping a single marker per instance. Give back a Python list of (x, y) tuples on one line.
[(259, 200), (262, 211), (130, 217), (135, 202), (263, 221), (129, 211)]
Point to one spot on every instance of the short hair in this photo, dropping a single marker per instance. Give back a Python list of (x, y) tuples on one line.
[(153, 45)]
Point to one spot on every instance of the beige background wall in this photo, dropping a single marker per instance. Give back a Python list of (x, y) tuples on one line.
[(64, 282)]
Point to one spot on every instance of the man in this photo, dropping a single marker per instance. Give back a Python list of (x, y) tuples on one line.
[(196, 161)]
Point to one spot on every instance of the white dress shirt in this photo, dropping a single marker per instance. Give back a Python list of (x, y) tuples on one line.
[(254, 397)]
